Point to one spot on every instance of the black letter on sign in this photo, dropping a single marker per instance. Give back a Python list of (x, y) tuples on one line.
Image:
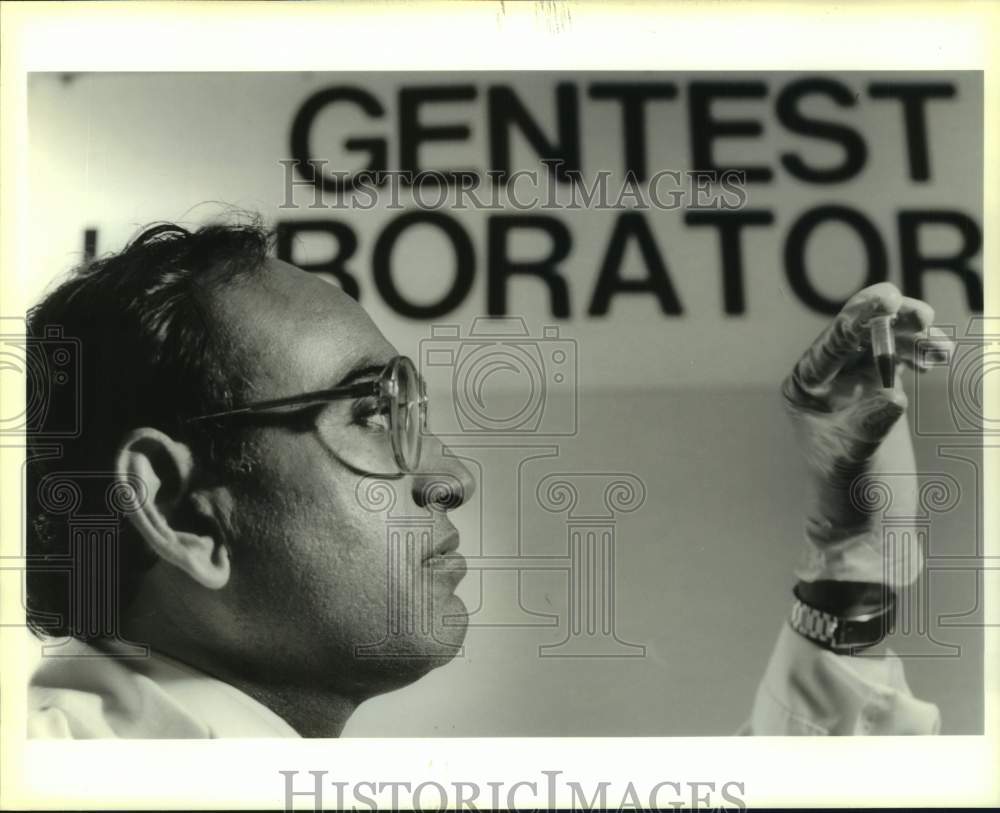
[(302, 127), (561, 157), (465, 261), (704, 129), (500, 266), (913, 97), (633, 224), (795, 254), (412, 133), (633, 97), (347, 244), (915, 264), (855, 151), (730, 225)]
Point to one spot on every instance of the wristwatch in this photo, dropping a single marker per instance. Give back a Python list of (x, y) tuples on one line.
[(845, 632)]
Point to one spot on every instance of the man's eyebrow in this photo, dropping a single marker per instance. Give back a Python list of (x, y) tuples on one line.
[(365, 369)]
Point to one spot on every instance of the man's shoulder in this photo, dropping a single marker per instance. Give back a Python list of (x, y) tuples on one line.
[(82, 691)]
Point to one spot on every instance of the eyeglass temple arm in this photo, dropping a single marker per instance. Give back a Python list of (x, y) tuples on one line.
[(348, 391)]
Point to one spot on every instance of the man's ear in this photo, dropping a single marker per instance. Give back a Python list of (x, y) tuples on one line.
[(181, 530)]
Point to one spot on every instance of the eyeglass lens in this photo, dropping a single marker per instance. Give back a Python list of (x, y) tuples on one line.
[(408, 413)]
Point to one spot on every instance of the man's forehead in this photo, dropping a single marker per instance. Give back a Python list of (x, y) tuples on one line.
[(289, 329)]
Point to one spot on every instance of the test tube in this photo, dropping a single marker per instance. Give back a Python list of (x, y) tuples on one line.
[(884, 349)]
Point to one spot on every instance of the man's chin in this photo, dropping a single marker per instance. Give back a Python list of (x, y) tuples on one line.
[(403, 656), (451, 624)]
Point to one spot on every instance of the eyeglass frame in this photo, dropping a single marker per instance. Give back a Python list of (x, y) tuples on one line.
[(384, 387)]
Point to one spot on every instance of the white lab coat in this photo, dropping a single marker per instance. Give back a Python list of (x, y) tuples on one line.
[(82, 692)]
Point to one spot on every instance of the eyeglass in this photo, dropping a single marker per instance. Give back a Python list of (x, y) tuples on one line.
[(398, 395)]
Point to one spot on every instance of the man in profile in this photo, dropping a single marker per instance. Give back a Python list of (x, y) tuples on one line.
[(234, 410)]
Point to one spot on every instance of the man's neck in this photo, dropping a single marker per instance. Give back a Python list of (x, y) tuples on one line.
[(312, 712)]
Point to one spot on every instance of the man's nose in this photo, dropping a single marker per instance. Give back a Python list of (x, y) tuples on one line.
[(442, 481)]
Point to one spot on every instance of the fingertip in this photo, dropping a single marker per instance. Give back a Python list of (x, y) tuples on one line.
[(890, 403), (915, 314), (883, 298), (897, 398), (881, 412)]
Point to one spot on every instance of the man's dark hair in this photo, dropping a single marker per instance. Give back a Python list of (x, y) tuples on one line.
[(125, 341)]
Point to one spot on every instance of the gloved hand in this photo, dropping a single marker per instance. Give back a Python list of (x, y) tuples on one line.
[(849, 427)]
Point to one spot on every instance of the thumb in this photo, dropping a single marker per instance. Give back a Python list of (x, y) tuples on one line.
[(872, 419)]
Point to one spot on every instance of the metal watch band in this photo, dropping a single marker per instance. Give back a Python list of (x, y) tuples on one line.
[(839, 634)]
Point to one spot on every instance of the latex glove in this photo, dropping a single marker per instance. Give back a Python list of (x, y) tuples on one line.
[(849, 427)]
